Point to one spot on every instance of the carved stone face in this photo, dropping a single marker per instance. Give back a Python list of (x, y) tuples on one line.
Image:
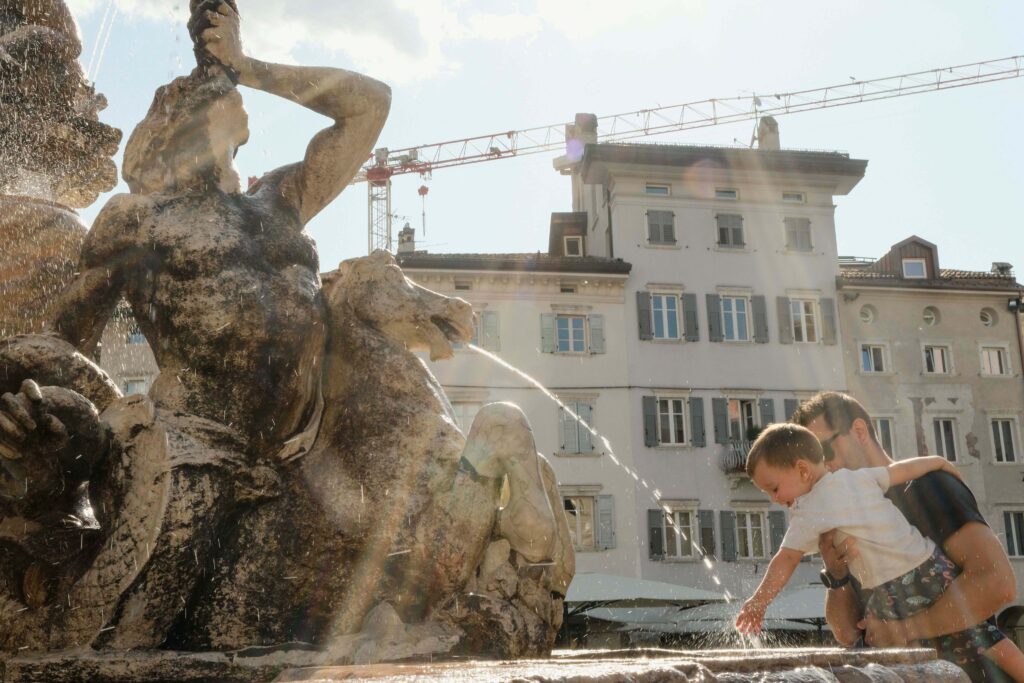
[(189, 137)]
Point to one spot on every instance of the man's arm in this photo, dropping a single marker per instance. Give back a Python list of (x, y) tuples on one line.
[(842, 606), (358, 105), (779, 571), (914, 468), (985, 584)]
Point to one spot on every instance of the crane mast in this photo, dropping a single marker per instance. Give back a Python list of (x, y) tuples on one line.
[(424, 159)]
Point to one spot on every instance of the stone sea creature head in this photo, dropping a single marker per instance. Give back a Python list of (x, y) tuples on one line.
[(377, 292)]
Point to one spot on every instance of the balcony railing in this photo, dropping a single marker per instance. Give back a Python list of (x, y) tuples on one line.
[(733, 458)]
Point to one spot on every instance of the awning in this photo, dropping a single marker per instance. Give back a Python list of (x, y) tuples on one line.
[(589, 590), (805, 604)]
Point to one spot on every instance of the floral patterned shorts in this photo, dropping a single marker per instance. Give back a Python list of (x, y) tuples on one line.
[(920, 588)]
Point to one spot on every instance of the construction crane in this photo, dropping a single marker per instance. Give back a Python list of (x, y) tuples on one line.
[(425, 159)]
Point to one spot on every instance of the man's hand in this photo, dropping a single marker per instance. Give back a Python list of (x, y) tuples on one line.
[(223, 39), (751, 618), (23, 421), (837, 558), (880, 633)]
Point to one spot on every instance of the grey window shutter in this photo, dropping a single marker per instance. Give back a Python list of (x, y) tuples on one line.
[(760, 319), (776, 528), (643, 314), (570, 432), (828, 320), (655, 534), (790, 406), (785, 319), (720, 416), (697, 434), (605, 522), (547, 332), (650, 405), (714, 317), (707, 532), (691, 329), (668, 228), (492, 338), (727, 521), (596, 323), (1012, 548), (586, 412), (767, 410)]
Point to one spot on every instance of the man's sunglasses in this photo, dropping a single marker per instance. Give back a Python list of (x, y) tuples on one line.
[(826, 445)]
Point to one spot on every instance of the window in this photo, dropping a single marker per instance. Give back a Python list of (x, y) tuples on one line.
[(574, 246), (798, 234), (734, 318), (945, 437), (750, 536), (135, 385), (993, 361), (567, 289), (579, 513), (465, 411), (571, 333), (576, 436), (656, 189), (793, 197), (1003, 441), (665, 316), (872, 358), (914, 268), (463, 285), (681, 535), (883, 432), (868, 314), (134, 335), (742, 419), (671, 421), (988, 317), (930, 315), (486, 332), (937, 360), (726, 193), (661, 227), (730, 229), (805, 326), (1014, 523)]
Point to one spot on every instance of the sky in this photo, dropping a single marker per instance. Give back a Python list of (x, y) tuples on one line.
[(946, 166)]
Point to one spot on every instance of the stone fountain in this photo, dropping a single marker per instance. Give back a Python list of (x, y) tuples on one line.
[(293, 493)]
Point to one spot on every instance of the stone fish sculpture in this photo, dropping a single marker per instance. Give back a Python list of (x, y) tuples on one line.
[(55, 156), (221, 512)]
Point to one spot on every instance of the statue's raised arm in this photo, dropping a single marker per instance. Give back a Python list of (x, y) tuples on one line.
[(358, 105)]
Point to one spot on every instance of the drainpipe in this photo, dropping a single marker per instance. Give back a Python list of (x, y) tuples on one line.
[(1015, 306)]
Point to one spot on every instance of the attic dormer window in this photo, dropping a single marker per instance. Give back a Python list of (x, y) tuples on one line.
[(914, 269), (574, 246)]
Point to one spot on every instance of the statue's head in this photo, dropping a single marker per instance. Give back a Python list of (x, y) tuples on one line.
[(376, 291), (189, 137)]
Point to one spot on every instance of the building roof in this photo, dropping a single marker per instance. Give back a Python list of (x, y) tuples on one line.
[(849, 171), (949, 278), (527, 263)]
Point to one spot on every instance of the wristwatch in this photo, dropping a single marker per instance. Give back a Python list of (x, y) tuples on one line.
[(832, 582)]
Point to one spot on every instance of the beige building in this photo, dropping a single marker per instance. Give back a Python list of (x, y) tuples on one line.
[(935, 355), (124, 354)]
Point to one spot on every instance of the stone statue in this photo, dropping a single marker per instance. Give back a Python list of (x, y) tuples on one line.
[(55, 156), (262, 492)]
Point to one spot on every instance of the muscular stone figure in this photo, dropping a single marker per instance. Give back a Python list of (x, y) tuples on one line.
[(225, 284)]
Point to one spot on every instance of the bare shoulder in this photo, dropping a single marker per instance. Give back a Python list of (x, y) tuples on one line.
[(116, 226)]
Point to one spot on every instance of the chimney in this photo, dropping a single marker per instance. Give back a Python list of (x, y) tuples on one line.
[(1002, 268), (768, 133), (406, 240)]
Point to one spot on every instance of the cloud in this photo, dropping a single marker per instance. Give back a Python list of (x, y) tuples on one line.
[(402, 41)]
